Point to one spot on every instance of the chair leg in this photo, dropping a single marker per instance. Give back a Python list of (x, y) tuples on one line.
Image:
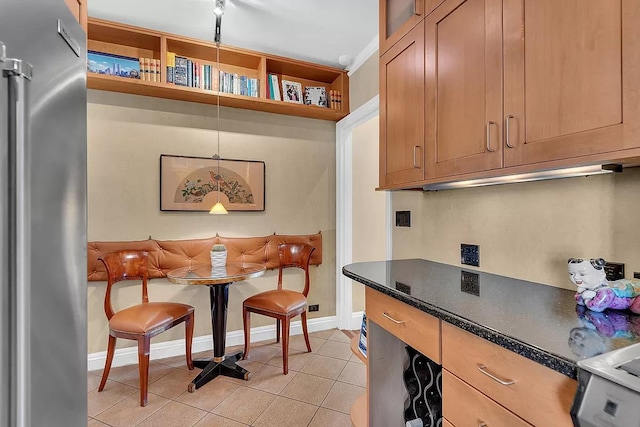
[(303, 317), (277, 330), (111, 348), (144, 343), (285, 345), (246, 322), (188, 325)]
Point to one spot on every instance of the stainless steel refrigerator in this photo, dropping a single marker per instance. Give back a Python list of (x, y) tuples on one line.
[(43, 158)]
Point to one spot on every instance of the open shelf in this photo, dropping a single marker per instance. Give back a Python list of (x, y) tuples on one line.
[(125, 40), (360, 412), (360, 408)]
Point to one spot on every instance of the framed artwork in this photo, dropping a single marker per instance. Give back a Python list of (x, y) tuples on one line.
[(191, 184), (291, 91), (113, 65)]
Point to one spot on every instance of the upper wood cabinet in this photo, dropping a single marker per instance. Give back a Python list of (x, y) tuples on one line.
[(79, 10), (564, 88), (515, 86), (464, 87), (398, 17), (402, 110)]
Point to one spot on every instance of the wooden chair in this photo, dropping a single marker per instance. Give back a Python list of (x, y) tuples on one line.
[(282, 304), (142, 321)]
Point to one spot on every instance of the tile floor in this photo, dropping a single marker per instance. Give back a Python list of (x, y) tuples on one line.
[(318, 391)]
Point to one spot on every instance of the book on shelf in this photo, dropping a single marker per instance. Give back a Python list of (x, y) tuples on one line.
[(180, 72), (171, 64), (155, 74), (335, 100), (274, 87), (315, 95)]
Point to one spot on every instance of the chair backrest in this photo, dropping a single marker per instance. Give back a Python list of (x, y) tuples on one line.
[(295, 255), (124, 265)]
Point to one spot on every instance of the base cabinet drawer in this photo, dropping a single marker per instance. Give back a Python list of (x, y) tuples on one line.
[(539, 395), (416, 328), (465, 406)]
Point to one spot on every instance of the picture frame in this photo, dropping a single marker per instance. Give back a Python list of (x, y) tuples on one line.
[(113, 65), (291, 92), (189, 184), (315, 95)]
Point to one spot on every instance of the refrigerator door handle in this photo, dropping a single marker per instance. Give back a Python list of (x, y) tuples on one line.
[(18, 73)]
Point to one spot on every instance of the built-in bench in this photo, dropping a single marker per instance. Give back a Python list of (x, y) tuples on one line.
[(165, 255)]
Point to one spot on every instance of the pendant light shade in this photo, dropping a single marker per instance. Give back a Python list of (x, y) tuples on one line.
[(218, 209)]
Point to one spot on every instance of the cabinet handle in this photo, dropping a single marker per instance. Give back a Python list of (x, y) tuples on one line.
[(417, 10), (415, 158), (398, 322), (482, 424), (483, 369), (489, 136), (506, 130)]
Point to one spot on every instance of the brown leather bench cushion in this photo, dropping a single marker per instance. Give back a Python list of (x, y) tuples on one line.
[(165, 255)]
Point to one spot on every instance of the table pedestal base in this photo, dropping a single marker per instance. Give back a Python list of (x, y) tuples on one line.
[(211, 369)]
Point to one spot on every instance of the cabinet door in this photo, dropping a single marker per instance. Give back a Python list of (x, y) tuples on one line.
[(464, 87), (402, 110), (563, 78), (397, 17), (79, 10)]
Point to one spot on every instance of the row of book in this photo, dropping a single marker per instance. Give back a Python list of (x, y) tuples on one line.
[(335, 100), (182, 71), (150, 70)]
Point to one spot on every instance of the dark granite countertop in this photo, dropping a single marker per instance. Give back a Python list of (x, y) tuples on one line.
[(540, 322)]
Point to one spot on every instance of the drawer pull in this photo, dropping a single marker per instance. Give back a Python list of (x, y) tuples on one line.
[(483, 369), (398, 322)]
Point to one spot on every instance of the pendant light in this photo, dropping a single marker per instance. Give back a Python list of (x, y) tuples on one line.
[(218, 208)]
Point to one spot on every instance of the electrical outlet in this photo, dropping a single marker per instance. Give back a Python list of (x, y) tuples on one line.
[(314, 307), (403, 218), (470, 254), (470, 283), (614, 270), (406, 289)]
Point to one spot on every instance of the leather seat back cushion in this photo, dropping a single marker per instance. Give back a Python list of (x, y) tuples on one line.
[(166, 255)]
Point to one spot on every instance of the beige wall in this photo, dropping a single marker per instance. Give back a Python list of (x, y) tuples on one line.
[(369, 206), (363, 84), (527, 230), (127, 134)]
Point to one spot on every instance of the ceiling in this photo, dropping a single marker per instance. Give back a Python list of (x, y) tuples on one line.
[(318, 31)]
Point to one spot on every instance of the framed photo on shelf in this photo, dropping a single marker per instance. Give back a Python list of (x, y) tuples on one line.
[(291, 92), (315, 96), (113, 65), (191, 184)]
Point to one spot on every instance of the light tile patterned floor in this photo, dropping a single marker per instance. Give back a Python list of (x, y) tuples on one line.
[(318, 391)]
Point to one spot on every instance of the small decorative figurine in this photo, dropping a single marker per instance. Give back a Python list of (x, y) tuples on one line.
[(596, 293)]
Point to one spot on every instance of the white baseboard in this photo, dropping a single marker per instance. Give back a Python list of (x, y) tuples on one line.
[(129, 355)]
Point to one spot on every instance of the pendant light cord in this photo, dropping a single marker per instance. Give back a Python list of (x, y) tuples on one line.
[(218, 112)]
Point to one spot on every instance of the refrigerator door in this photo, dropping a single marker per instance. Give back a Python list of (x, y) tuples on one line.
[(49, 377), (5, 295)]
